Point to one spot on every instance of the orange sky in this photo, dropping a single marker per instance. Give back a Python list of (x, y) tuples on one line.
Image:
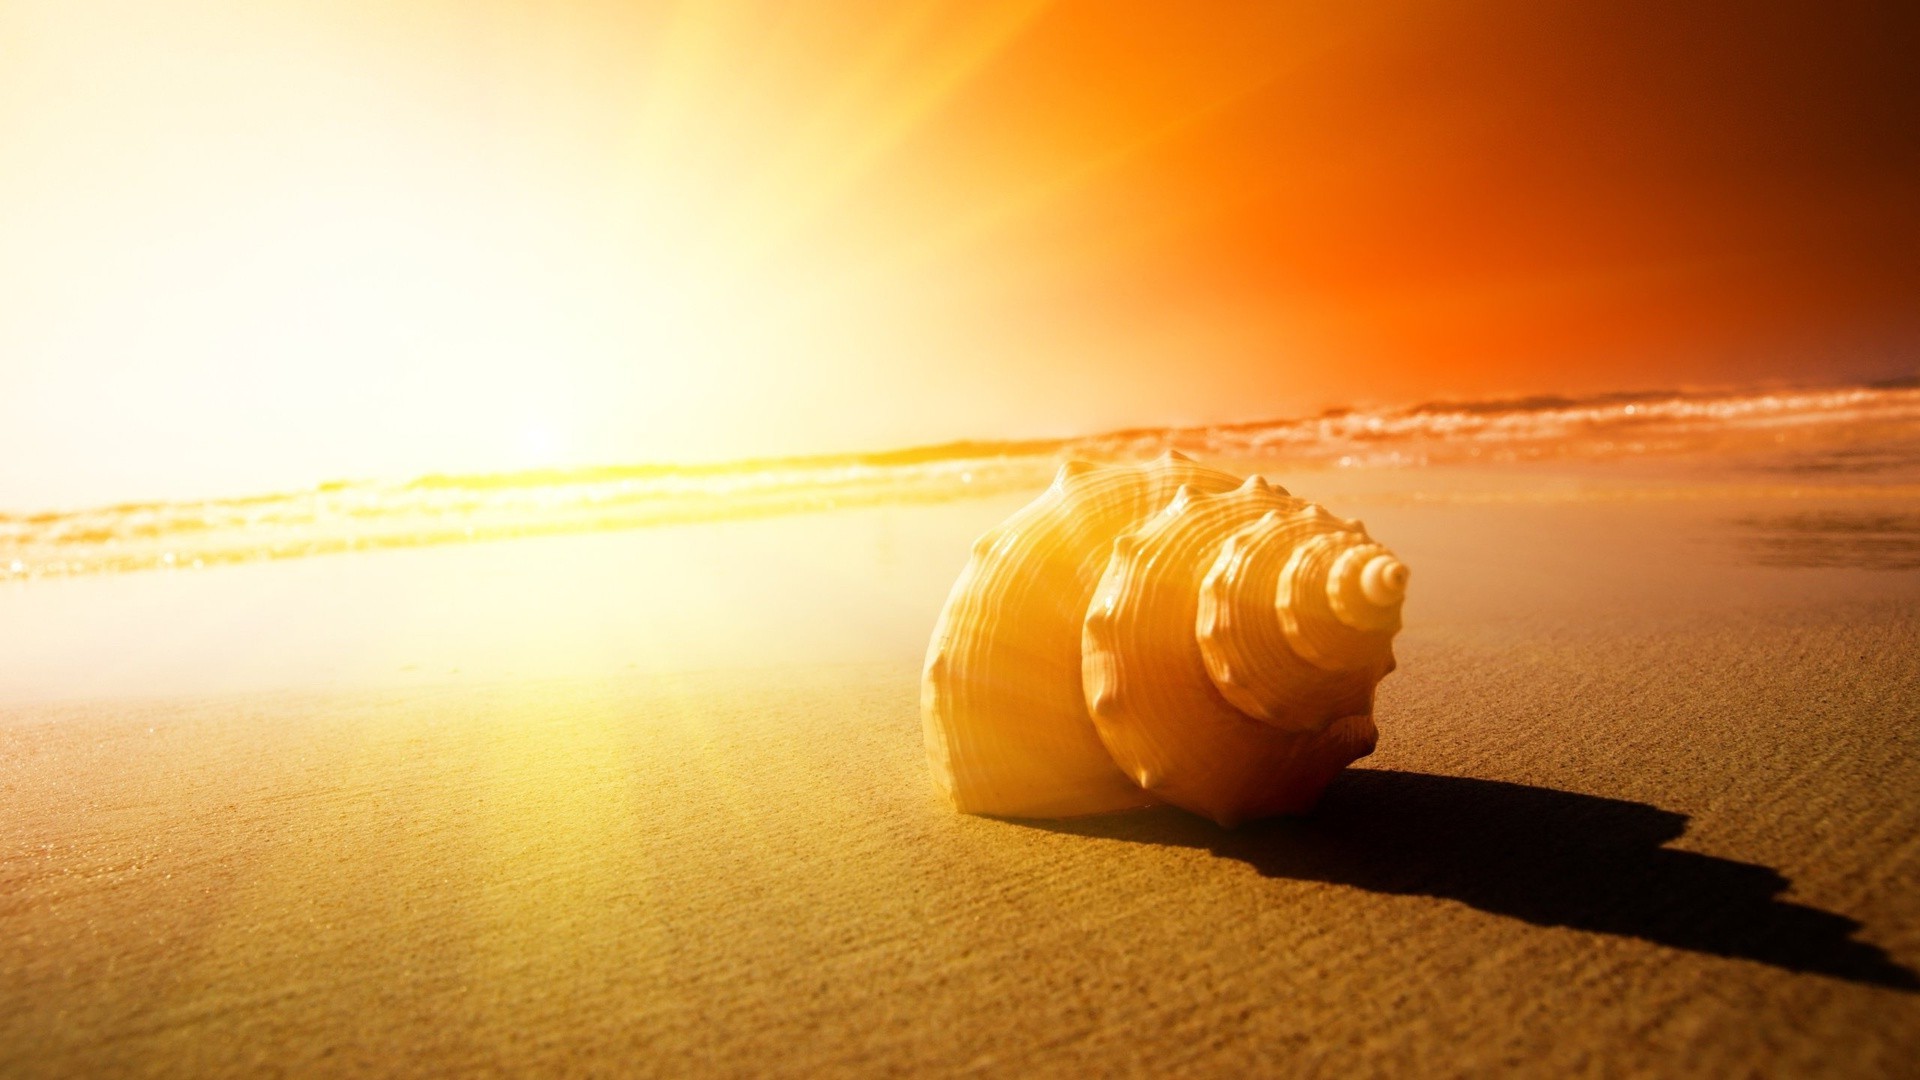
[(248, 246)]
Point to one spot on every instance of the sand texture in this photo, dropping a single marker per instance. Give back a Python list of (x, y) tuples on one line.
[(1647, 803)]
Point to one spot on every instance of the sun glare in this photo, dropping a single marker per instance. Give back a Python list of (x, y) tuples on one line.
[(274, 244), (540, 446)]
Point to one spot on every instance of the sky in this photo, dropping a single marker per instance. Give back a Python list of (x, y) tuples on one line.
[(247, 247)]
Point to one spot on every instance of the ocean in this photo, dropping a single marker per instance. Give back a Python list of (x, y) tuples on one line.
[(1776, 443)]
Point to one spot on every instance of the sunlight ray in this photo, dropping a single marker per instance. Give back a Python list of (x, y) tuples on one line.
[(851, 136)]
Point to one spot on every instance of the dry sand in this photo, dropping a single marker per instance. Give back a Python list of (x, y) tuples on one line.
[(1647, 802)]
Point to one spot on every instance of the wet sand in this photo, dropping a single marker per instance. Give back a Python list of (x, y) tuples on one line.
[(653, 803)]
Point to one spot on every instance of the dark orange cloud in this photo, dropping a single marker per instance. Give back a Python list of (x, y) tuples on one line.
[(1470, 197)]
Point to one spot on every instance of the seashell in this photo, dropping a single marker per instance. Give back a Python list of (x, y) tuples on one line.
[(1159, 633)]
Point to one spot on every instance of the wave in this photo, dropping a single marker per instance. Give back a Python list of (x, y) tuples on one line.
[(1858, 430)]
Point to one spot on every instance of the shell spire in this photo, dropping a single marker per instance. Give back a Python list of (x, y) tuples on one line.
[(1163, 632)]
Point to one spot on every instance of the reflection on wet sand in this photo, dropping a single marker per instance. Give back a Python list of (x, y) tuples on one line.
[(1856, 539)]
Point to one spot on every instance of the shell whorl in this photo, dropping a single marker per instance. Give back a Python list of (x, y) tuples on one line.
[(1002, 711), (1160, 633)]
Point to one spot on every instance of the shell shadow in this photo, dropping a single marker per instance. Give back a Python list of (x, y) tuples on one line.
[(1547, 857)]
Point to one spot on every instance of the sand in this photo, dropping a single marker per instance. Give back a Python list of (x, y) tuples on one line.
[(1647, 802)]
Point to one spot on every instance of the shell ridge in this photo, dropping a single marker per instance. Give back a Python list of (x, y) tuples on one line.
[(1142, 632)]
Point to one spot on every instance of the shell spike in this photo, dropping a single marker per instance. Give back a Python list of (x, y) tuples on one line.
[(1069, 471)]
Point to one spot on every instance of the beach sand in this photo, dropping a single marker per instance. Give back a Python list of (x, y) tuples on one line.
[(1646, 802)]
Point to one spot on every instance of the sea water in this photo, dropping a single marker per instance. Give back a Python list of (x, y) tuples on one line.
[(1773, 441)]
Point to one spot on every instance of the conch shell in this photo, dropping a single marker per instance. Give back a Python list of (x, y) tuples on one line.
[(1154, 633)]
